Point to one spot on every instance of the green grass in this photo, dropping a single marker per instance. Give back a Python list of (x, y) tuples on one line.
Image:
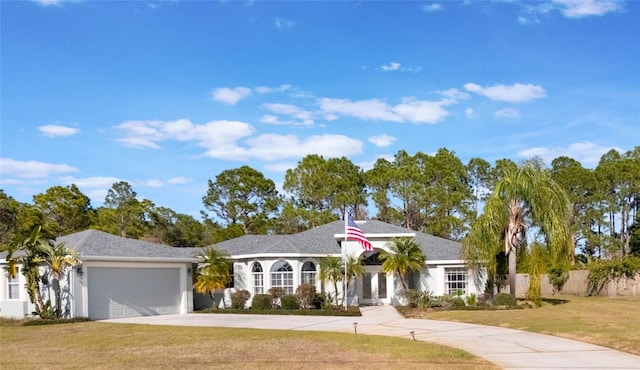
[(610, 322), (104, 345)]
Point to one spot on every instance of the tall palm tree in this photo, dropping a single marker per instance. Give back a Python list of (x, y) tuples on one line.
[(332, 269), (58, 259), (404, 256), (213, 273), (526, 198)]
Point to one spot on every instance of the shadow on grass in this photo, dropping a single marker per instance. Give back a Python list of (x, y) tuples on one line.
[(555, 301)]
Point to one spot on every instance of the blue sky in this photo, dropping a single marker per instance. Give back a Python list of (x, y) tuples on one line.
[(166, 95)]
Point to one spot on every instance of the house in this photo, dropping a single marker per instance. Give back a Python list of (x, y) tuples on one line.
[(261, 262), (120, 277), (117, 277)]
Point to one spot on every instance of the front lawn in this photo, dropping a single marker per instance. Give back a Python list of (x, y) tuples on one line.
[(103, 345)]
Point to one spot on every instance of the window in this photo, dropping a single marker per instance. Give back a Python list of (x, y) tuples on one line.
[(13, 288), (309, 273), (258, 278), (456, 281), (282, 276)]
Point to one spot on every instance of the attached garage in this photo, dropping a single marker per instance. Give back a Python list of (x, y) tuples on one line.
[(117, 292)]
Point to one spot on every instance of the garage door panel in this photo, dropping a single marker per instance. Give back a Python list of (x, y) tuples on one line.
[(130, 292)]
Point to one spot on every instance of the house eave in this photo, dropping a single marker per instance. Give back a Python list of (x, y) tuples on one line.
[(137, 259)]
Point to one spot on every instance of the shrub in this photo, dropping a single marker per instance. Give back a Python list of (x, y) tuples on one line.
[(276, 293), (289, 302), (323, 301), (472, 299), (261, 302), (504, 299), (458, 302), (305, 295), (558, 277), (419, 299), (602, 272), (240, 298)]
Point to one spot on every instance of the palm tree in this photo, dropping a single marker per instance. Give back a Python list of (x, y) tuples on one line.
[(213, 273), (58, 259), (332, 269), (526, 198), (404, 256), (26, 255)]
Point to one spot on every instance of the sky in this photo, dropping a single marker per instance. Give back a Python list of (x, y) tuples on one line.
[(168, 94)]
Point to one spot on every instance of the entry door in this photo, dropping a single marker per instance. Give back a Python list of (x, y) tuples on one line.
[(374, 286)]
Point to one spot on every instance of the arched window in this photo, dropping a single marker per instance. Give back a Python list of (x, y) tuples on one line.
[(308, 273), (258, 278), (282, 276), (372, 260)]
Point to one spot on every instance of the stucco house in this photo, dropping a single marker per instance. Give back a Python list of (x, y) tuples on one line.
[(120, 277), (117, 277), (264, 261)]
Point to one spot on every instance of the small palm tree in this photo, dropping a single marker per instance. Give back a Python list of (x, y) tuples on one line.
[(332, 269), (58, 259), (26, 254), (404, 256), (213, 273)]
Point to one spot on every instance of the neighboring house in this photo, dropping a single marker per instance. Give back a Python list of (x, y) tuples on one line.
[(261, 262), (117, 277)]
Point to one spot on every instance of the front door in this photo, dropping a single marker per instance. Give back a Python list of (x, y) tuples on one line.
[(374, 286)]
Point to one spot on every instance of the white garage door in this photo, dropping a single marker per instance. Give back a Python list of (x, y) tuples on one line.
[(129, 292)]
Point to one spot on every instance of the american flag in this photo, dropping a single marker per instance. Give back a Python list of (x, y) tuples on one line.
[(354, 233)]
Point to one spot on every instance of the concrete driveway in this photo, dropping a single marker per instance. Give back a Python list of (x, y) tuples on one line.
[(507, 348)]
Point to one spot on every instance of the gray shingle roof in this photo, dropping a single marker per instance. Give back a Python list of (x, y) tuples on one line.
[(94, 244), (320, 240)]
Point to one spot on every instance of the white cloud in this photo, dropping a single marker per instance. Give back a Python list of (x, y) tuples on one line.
[(454, 94), (48, 2), (91, 182), (275, 120), (516, 93), (383, 140), (282, 23), (393, 66), (410, 110), (507, 113), (179, 180), (153, 183), (32, 169), (469, 113), (280, 167), (57, 130), (585, 8), (587, 153), (267, 89), (215, 136), (432, 8), (229, 95), (276, 147)]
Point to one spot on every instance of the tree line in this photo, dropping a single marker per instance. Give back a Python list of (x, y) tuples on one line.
[(437, 194)]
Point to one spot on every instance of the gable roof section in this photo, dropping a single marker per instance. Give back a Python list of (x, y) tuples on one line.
[(324, 240), (98, 245)]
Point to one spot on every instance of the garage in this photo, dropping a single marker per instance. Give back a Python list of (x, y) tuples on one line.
[(118, 292)]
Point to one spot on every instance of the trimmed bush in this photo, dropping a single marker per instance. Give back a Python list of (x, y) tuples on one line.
[(419, 299), (305, 295), (458, 302), (504, 299), (261, 302), (240, 298), (289, 302)]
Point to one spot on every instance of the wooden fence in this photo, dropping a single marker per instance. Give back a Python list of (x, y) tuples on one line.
[(577, 284)]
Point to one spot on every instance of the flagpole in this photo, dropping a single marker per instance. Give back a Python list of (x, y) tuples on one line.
[(345, 258)]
